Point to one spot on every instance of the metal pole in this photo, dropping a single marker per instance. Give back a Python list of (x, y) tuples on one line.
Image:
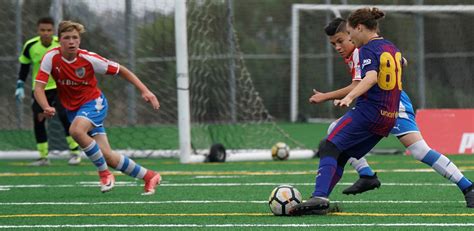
[(231, 42), (329, 64), (56, 12), (130, 48), (18, 20), (184, 121), (294, 63), (420, 27)]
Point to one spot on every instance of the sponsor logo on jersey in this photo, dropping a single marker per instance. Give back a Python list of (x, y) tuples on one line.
[(467, 142), (69, 82), (366, 62), (80, 72), (389, 114)]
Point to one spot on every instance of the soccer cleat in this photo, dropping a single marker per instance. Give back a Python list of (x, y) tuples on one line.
[(107, 181), (363, 184), (469, 196), (151, 183), (313, 206), (74, 160), (40, 162)]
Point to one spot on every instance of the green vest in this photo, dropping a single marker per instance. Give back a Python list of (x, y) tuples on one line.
[(32, 53)]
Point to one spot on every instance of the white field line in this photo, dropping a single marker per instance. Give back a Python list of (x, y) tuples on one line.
[(237, 225), (134, 184), (214, 202), (220, 173)]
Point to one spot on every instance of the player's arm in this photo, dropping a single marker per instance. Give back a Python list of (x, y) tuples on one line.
[(319, 97), (147, 95), (25, 61), (367, 82), (40, 97), (22, 76)]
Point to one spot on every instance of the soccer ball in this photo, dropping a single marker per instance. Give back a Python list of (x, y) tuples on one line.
[(283, 198), (280, 151)]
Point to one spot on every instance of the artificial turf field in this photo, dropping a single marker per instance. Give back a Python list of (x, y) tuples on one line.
[(222, 196)]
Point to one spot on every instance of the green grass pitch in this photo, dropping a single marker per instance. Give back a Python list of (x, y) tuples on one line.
[(225, 196)]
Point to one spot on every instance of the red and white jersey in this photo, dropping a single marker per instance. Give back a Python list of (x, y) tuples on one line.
[(76, 80), (354, 65)]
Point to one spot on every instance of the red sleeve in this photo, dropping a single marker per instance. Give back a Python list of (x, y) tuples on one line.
[(46, 66)]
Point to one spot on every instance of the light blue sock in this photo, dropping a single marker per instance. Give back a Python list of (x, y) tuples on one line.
[(441, 164), (95, 155), (361, 166), (367, 171), (129, 167)]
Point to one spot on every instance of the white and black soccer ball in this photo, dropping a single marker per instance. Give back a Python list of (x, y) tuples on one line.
[(283, 198), (280, 151)]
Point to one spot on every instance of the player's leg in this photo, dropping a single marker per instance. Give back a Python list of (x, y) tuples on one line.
[(368, 179), (74, 149), (128, 166), (347, 136), (341, 163), (86, 122), (39, 128), (420, 150), (326, 179), (79, 129)]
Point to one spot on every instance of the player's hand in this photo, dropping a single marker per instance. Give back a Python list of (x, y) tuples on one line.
[(49, 112), (149, 97), (345, 102), (317, 97), (20, 90)]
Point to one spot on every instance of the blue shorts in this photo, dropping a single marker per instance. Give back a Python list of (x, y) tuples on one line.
[(405, 125), (352, 137), (95, 111)]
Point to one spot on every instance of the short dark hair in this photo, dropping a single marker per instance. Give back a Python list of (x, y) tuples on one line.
[(45, 20), (335, 26)]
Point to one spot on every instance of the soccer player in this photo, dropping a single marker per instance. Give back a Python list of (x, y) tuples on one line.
[(33, 51), (405, 129), (374, 114), (74, 71)]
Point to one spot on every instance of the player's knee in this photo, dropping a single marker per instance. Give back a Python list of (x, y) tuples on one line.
[(419, 149), (76, 133), (327, 148)]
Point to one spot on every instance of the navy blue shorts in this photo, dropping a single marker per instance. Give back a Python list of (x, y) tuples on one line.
[(352, 137)]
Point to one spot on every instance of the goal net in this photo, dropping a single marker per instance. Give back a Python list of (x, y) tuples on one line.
[(225, 106), (437, 40)]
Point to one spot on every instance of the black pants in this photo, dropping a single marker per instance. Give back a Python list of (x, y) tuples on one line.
[(40, 125)]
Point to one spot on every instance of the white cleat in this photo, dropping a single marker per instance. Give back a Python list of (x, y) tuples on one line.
[(40, 162), (74, 160)]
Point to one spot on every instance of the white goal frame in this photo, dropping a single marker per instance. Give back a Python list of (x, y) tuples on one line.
[(184, 119), (336, 10)]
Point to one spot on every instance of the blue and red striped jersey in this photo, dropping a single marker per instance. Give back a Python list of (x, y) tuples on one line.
[(380, 104)]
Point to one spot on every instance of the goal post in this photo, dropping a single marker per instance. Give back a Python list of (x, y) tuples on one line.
[(182, 80), (338, 10)]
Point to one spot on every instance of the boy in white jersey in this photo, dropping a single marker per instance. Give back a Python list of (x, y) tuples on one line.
[(405, 128)]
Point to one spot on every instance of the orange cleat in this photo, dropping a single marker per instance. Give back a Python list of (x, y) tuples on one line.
[(152, 179), (107, 181)]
